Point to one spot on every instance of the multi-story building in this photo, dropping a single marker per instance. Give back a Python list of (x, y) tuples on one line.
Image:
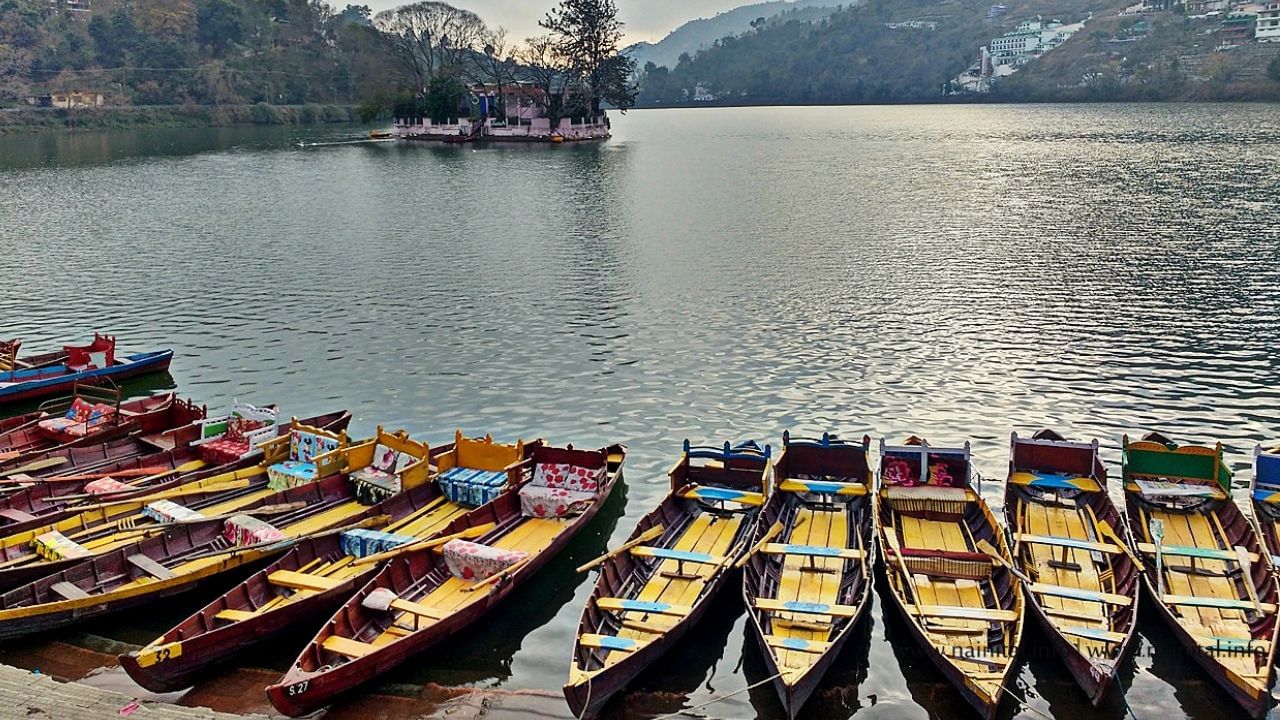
[(1237, 29), (83, 6), (1269, 23)]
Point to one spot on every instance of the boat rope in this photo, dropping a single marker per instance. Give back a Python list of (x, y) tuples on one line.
[(726, 696), (1026, 705)]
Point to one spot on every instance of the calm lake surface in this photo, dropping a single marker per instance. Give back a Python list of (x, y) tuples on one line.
[(955, 272)]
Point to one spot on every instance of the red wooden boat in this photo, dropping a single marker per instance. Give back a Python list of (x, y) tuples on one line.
[(1067, 539), (659, 584), (41, 376), (173, 562), (303, 587), (55, 426), (420, 598), (808, 582), (38, 501)]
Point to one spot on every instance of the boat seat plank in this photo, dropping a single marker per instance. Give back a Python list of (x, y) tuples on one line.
[(1059, 482), (1092, 633), (823, 487), (813, 551), (699, 492), (150, 566), (347, 647), (231, 615), (625, 605), (16, 516), (1195, 552), (301, 581), (1080, 594), (796, 644), (608, 642), (1072, 543), (964, 613), (1214, 602), (805, 608), (645, 551), (68, 590), (414, 608)]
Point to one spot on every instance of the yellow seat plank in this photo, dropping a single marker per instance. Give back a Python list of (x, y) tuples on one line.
[(806, 608), (301, 581), (964, 613), (235, 615), (345, 646)]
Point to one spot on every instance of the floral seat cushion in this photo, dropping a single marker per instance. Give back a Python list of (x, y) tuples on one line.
[(56, 546), (106, 486), (548, 502), (245, 530), (167, 511), (568, 477), (291, 474), (223, 452), (372, 485), (80, 419), (473, 561)]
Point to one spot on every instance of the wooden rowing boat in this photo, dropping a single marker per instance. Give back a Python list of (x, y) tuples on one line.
[(420, 598), (1205, 568), (41, 376), (304, 586), (36, 502), (808, 580), (657, 585), (948, 568), (172, 562), (1264, 495), (1083, 584), (48, 428)]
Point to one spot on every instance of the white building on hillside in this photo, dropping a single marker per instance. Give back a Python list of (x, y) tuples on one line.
[(1269, 23), (1030, 40)]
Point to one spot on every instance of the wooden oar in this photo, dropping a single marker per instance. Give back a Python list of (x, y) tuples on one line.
[(642, 538), (152, 497), (891, 536), (1242, 555), (774, 531), (425, 544), (1105, 530), (988, 549), (118, 475), (38, 465)]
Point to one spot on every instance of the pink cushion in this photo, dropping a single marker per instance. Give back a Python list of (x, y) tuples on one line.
[(473, 561), (245, 530), (545, 502), (568, 477), (107, 485), (222, 452), (384, 459)]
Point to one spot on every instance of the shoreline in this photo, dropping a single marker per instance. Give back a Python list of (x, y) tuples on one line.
[(35, 120)]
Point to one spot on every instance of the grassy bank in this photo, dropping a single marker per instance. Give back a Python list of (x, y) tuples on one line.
[(40, 119)]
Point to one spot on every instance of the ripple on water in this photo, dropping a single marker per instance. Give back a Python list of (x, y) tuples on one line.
[(957, 272)]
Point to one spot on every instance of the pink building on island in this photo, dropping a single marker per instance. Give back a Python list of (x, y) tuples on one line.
[(512, 113)]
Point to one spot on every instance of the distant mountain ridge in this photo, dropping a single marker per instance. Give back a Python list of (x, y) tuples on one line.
[(699, 34)]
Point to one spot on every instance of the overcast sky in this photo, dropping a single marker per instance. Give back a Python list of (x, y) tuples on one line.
[(645, 19)]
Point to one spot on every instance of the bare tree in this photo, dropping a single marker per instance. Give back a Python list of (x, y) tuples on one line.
[(495, 64), (430, 38), (550, 75)]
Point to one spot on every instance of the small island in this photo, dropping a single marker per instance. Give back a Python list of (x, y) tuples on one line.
[(462, 83)]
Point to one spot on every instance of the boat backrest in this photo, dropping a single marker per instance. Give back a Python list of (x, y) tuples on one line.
[(1189, 463), (1056, 456), (924, 464), (741, 466), (251, 423), (392, 453), (9, 355), (99, 354), (1266, 468), (480, 454), (825, 457), (307, 444), (569, 469)]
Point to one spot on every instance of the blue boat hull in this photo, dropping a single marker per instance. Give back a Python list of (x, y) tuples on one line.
[(26, 385)]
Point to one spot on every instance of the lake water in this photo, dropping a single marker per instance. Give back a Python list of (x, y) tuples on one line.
[(955, 272)]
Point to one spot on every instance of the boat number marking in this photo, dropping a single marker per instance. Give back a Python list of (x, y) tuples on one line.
[(298, 688)]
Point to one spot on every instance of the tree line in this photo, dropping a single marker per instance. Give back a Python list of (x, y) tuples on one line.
[(419, 59)]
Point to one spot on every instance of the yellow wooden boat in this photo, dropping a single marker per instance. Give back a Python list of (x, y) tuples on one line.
[(1084, 583), (1205, 567), (808, 580), (948, 568), (656, 586)]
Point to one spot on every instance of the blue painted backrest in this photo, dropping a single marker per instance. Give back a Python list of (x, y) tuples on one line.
[(746, 450), (1267, 470)]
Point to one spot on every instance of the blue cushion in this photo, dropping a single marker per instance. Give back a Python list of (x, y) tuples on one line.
[(303, 470)]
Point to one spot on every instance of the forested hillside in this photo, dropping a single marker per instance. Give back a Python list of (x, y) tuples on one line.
[(208, 52)]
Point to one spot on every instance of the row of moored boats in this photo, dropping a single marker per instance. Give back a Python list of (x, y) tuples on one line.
[(388, 545)]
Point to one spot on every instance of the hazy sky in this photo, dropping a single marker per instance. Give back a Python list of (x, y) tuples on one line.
[(645, 19)]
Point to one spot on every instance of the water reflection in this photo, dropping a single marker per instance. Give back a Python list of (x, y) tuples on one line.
[(729, 273)]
